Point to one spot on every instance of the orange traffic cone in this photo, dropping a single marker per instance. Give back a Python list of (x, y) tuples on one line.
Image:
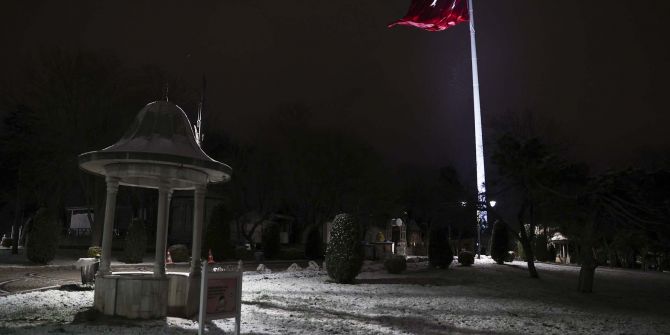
[(210, 258), (169, 258)]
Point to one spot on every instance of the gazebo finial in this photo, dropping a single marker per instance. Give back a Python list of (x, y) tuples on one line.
[(165, 92)]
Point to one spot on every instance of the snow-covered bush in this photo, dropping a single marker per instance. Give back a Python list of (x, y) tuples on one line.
[(271, 241), (42, 241), (218, 234), (179, 253), (395, 264), (136, 242), (344, 255), (94, 251), (499, 242), (466, 258), (439, 250)]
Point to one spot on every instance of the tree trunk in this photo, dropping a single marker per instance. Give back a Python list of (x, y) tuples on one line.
[(526, 243), (530, 256), (17, 217), (587, 272), (588, 267)]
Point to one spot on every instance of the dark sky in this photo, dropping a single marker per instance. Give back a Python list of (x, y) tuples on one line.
[(592, 73)]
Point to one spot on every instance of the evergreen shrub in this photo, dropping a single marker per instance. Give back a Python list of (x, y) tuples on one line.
[(521, 252), (344, 254), (439, 250), (179, 253), (271, 242), (42, 241), (6, 243), (466, 258), (136, 242), (94, 251), (540, 248), (218, 234), (500, 242), (395, 264)]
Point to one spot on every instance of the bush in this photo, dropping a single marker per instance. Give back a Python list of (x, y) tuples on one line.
[(466, 258), (344, 255), (439, 250), (314, 245), (136, 242), (179, 253), (511, 255), (42, 241), (271, 242), (499, 242), (395, 264), (94, 251), (521, 252), (6, 242), (218, 234), (540, 248)]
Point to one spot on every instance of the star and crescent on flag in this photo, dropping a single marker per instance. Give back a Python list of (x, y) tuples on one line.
[(434, 15)]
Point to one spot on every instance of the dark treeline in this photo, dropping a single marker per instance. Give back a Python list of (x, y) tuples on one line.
[(63, 104), (66, 103)]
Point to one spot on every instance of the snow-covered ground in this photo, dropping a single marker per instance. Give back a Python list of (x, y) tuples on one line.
[(484, 298)]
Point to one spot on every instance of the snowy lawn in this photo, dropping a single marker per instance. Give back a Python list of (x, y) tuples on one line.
[(484, 298)]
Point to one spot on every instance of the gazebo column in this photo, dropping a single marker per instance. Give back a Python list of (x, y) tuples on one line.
[(108, 228), (164, 195), (198, 213)]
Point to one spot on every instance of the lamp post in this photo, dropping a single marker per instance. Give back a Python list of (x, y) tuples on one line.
[(482, 209)]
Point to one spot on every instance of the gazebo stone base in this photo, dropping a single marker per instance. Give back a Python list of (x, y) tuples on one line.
[(137, 295), (183, 295)]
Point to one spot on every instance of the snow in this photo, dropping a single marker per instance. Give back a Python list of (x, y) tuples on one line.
[(483, 298)]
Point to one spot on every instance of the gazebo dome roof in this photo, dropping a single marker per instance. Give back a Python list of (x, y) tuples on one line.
[(160, 135)]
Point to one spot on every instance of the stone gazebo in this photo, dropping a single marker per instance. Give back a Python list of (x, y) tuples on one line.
[(157, 151)]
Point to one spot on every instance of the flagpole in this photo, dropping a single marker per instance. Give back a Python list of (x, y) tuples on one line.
[(479, 143)]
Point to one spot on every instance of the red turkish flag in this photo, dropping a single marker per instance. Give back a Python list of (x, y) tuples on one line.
[(435, 15)]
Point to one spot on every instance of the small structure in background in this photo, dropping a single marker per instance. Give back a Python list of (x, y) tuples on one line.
[(397, 229), (80, 221), (562, 246), (158, 151)]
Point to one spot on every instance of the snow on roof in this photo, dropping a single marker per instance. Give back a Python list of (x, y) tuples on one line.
[(558, 237)]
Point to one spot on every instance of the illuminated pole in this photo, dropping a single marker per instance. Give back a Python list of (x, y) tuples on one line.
[(479, 143)]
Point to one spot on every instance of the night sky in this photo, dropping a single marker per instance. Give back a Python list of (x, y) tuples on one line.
[(592, 73)]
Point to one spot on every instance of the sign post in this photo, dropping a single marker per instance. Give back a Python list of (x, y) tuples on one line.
[(220, 296)]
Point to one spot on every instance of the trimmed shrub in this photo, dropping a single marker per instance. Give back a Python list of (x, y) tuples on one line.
[(344, 255), (439, 250), (136, 242), (466, 258), (499, 242), (218, 234), (179, 253), (314, 245), (520, 251), (94, 251), (395, 264), (42, 241), (6, 242), (271, 242)]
